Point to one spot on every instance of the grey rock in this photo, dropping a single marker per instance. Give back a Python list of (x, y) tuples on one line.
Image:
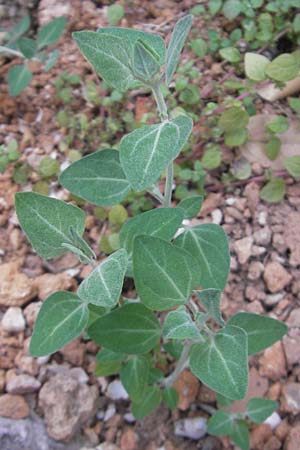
[(192, 428), (22, 384), (116, 391), (13, 320)]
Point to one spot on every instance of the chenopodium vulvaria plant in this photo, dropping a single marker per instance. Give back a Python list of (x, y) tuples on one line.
[(182, 273)]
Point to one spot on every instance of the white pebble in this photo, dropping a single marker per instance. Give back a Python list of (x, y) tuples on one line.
[(129, 418), (192, 428), (273, 420), (230, 201), (110, 412), (116, 391), (217, 216), (13, 320), (262, 218)]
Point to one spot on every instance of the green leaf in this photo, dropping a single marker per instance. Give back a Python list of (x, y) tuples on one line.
[(155, 375), (103, 285), (221, 362), (223, 401), (214, 6), (241, 168), (233, 118), (27, 46), (220, 423), (279, 125), (273, 191), (178, 37), (232, 8), (255, 66), (230, 54), (292, 165), (109, 55), (272, 148), (199, 47), (20, 28), (131, 329), (179, 325), (145, 61), (19, 77), (240, 434), (296, 23), (160, 222), (294, 103), (174, 348), (262, 331), (211, 299), (212, 158), (61, 319), (134, 375), (97, 178), (208, 244), (147, 404), (146, 152), (283, 68), (46, 222), (190, 206), (115, 13), (236, 137), (259, 409), (170, 396), (164, 274), (51, 32), (107, 368), (52, 58), (105, 355)]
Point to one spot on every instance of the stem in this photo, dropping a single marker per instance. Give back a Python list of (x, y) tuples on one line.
[(11, 51), (169, 185), (181, 365)]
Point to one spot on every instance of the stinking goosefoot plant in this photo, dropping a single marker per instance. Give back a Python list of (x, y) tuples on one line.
[(180, 273)]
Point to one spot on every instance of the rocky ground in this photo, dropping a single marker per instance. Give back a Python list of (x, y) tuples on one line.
[(56, 403)]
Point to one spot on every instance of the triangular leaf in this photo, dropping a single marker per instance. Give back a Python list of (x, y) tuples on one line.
[(149, 401), (211, 299), (27, 46), (145, 61), (179, 325), (240, 434), (220, 423), (19, 77), (191, 205), (259, 409), (170, 396), (134, 375), (51, 32)]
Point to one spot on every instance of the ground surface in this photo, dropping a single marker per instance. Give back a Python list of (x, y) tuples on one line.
[(74, 405)]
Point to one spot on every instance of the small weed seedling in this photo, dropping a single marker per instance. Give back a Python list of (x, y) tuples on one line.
[(182, 273)]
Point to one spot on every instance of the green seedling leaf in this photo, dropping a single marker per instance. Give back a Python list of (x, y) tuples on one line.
[(294, 103), (51, 32), (27, 46), (61, 319), (236, 137), (221, 362), (170, 396), (223, 401), (230, 54), (241, 168), (283, 68), (145, 61), (292, 165), (103, 285), (97, 178), (147, 404), (262, 331), (146, 152), (272, 148), (178, 37), (240, 434), (255, 66), (191, 206), (52, 58), (233, 118), (134, 375), (174, 348), (19, 77), (109, 55), (199, 47), (115, 13), (164, 274), (279, 125), (259, 409), (19, 29), (273, 191), (212, 158), (131, 329), (179, 325), (214, 6), (211, 299), (220, 423), (208, 244), (47, 221), (232, 8)]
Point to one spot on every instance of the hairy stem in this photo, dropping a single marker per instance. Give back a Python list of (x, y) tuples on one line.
[(169, 185), (11, 51), (180, 366)]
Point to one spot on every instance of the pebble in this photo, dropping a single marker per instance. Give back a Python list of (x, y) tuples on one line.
[(262, 218), (292, 442), (116, 391), (272, 362), (255, 270), (273, 420), (13, 406), (22, 384), (291, 345), (276, 277), (79, 374), (110, 412), (16, 289), (129, 418), (217, 216), (192, 428), (13, 320), (262, 236), (291, 398), (273, 299), (243, 248)]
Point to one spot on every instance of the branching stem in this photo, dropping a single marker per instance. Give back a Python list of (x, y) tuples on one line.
[(180, 366)]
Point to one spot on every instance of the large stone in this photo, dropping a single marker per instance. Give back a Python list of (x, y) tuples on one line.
[(22, 384), (272, 363), (276, 277), (67, 405), (291, 398), (13, 406), (16, 289), (13, 320)]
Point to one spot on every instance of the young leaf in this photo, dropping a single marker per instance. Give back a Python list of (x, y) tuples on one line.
[(191, 206), (97, 178), (150, 400), (240, 434), (272, 148), (146, 152), (164, 274), (20, 28), (179, 35), (279, 125), (230, 54), (255, 66), (103, 285), (27, 46), (283, 68), (220, 423), (161, 222), (211, 299), (233, 118), (259, 409), (19, 77), (46, 222), (115, 13), (262, 331), (145, 61), (179, 325), (61, 319), (223, 401), (109, 55), (221, 362), (52, 58), (232, 8), (51, 32), (273, 191), (170, 396), (292, 165), (131, 329), (209, 245), (134, 375)]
